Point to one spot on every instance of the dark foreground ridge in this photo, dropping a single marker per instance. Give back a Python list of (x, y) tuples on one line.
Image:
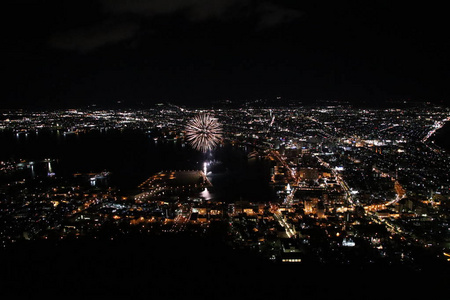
[(174, 266)]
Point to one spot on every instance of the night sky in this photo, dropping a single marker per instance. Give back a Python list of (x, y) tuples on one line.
[(75, 53)]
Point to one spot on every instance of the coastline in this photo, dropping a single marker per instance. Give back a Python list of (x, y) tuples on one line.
[(441, 137)]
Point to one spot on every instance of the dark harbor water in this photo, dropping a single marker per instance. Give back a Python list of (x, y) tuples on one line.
[(132, 156), (442, 137)]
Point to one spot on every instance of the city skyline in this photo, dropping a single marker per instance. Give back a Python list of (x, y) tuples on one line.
[(225, 149), (303, 191)]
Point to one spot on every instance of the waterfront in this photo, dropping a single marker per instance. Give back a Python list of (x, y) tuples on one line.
[(442, 137), (224, 149), (346, 195), (133, 155)]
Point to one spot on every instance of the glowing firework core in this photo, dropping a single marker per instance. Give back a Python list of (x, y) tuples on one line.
[(203, 132)]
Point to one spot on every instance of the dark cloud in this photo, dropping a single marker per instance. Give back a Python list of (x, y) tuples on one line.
[(119, 20), (193, 9), (272, 15), (198, 10), (90, 38)]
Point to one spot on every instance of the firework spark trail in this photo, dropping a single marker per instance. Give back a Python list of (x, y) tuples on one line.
[(203, 132)]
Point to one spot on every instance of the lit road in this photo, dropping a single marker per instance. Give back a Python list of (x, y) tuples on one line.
[(399, 197), (180, 223), (291, 174), (389, 226), (437, 125), (339, 179), (182, 219), (392, 228), (400, 191), (289, 228), (277, 156), (289, 198), (373, 216)]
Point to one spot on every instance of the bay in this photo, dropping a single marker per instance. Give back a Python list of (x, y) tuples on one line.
[(133, 155), (442, 137)]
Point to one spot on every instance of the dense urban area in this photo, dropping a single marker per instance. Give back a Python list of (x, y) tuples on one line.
[(351, 186)]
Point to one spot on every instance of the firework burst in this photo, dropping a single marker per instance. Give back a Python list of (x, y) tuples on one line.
[(203, 132)]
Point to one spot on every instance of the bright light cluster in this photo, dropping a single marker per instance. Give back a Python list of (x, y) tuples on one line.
[(203, 132)]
